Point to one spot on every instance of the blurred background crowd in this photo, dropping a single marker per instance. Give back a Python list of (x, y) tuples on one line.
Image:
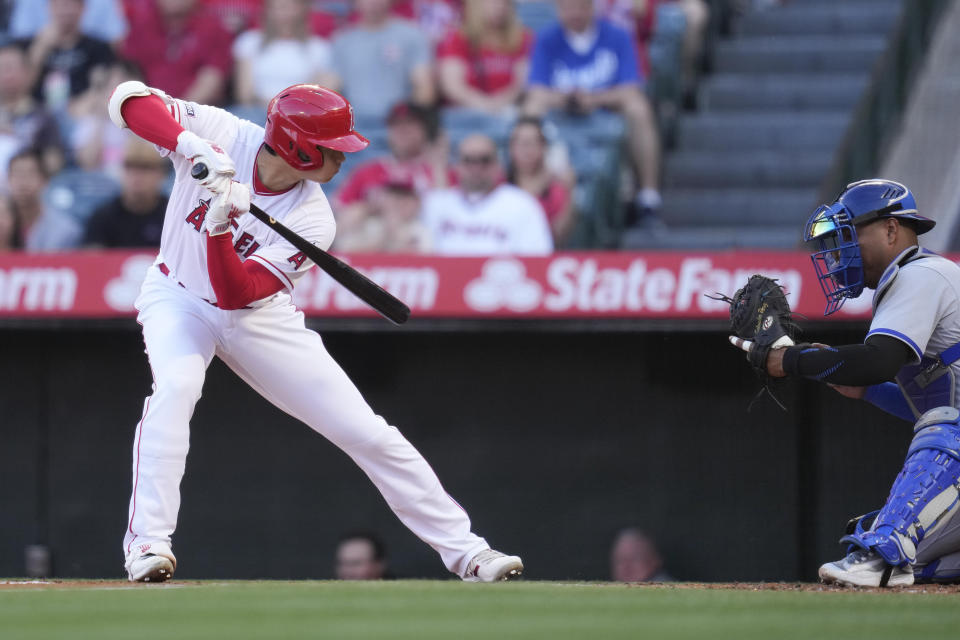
[(496, 126)]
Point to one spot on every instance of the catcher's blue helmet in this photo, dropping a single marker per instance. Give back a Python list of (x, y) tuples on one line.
[(832, 231)]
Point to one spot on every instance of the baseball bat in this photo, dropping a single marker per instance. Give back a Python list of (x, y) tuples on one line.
[(355, 282)]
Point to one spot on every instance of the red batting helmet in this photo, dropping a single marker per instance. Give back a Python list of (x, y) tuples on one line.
[(305, 117)]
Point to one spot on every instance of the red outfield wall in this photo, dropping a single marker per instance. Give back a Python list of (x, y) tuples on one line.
[(652, 285)]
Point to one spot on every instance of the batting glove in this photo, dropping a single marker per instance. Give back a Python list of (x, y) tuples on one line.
[(220, 169), (232, 203)]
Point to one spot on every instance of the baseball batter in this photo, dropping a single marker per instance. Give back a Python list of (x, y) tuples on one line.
[(221, 286), (907, 366)]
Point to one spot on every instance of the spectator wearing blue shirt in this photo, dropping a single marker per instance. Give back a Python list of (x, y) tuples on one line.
[(586, 63)]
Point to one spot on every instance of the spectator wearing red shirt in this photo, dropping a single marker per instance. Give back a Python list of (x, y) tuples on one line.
[(417, 155), (484, 64), (181, 50), (527, 168)]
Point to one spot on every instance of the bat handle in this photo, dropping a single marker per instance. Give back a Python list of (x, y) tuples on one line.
[(199, 171)]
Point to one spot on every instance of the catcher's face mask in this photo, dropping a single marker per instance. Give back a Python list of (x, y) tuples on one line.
[(836, 256)]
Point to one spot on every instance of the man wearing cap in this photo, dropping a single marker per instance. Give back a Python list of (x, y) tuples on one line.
[(417, 157), (907, 366), (135, 217)]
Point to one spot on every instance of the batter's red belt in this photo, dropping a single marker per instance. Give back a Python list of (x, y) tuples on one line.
[(165, 270)]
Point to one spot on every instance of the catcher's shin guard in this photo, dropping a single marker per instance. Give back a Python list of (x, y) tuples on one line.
[(924, 495)]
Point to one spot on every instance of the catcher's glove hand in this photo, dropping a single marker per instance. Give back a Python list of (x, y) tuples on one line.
[(761, 320)]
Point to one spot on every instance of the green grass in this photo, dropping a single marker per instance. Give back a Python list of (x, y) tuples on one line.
[(433, 609)]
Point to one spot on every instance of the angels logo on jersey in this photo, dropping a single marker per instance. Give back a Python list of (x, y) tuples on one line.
[(196, 216)]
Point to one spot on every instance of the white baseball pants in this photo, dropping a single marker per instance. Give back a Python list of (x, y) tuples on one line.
[(270, 348)]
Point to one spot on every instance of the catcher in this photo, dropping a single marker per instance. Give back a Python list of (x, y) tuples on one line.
[(907, 366)]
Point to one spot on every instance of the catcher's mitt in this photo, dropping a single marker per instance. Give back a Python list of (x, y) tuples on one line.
[(760, 320)]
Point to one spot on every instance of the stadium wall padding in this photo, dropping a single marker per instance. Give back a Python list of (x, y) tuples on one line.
[(552, 441)]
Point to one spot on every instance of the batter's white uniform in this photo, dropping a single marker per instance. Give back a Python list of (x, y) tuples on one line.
[(267, 345), (918, 303)]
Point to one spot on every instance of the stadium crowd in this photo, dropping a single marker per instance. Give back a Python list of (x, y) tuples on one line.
[(490, 120)]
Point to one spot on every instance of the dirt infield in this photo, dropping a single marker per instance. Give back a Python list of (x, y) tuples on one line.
[(799, 586), (16, 584), (20, 584)]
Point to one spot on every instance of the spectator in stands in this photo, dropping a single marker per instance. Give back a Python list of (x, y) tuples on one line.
[(181, 50), (483, 215), (9, 232), (638, 17), (62, 58), (484, 64), (418, 155), (394, 225), (403, 231), (23, 121), (101, 19), (634, 558), (96, 144), (281, 53), (382, 60), (527, 168), (360, 556), (697, 14), (41, 228), (135, 217), (584, 64)]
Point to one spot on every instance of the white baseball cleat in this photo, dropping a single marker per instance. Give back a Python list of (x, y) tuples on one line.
[(493, 566), (866, 569), (153, 562)]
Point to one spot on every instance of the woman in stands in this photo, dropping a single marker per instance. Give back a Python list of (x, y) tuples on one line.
[(527, 168), (483, 65), (283, 52)]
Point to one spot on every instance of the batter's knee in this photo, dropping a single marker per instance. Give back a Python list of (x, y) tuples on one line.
[(182, 379)]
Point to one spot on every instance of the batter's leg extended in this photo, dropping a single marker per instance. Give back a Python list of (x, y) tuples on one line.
[(289, 366), (179, 346)]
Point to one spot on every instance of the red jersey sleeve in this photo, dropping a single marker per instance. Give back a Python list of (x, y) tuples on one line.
[(149, 118), (237, 283)]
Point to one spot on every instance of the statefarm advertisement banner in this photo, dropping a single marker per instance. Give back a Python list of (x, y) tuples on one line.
[(650, 285)]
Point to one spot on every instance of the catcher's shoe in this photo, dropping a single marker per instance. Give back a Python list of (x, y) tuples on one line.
[(493, 566), (152, 562), (866, 569)]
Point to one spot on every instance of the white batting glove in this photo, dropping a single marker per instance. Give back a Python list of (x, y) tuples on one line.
[(220, 169), (232, 203)]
